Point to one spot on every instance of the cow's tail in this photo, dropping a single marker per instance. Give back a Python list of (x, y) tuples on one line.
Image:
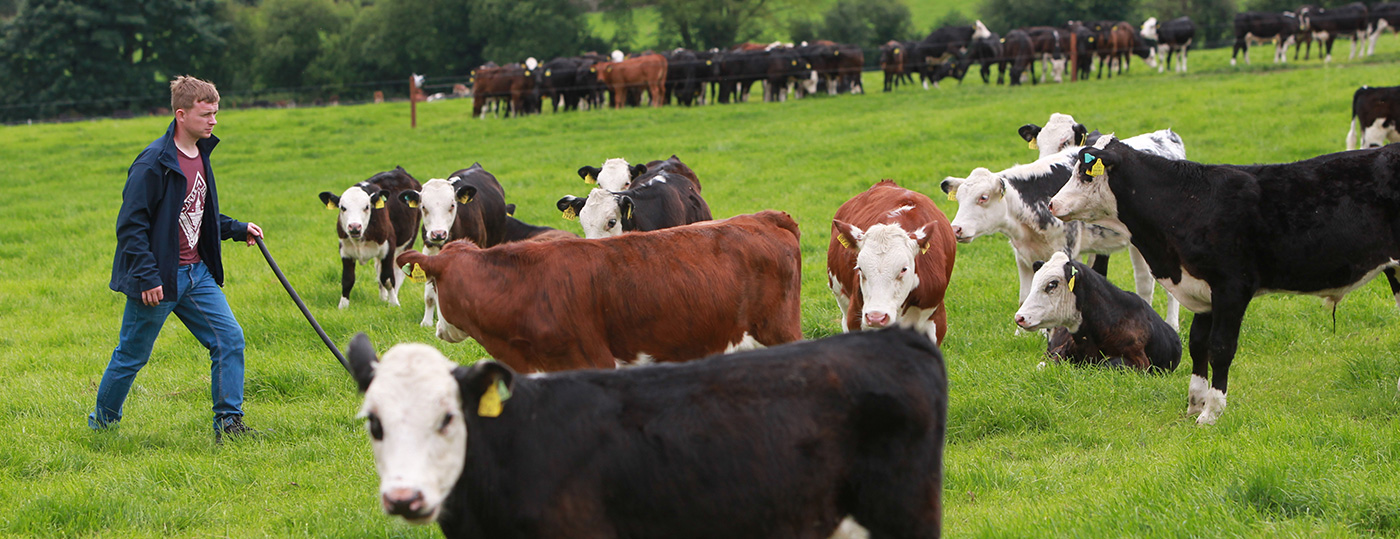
[(432, 266)]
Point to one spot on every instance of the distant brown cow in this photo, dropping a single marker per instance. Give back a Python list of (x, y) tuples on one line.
[(488, 82), (670, 295), (644, 72)]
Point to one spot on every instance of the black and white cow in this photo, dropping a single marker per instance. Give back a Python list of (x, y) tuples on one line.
[(1375, 111), (1327, 24), (1259, 27), (615, 174), (1171, 37), (664, 201), (1382, 17), (1218, 235), (374, 226), (470, 204), (673, 165), (781, 442), (1100, 321), (1020, 54)]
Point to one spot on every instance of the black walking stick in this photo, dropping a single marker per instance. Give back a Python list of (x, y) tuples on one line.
[(302, 305)]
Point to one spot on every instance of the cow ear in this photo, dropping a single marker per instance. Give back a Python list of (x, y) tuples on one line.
[(1036, 266), (846, 234), (1094, 162), (411, 198), (589, 174), (465, 194), (571, 206), (1028, 132), (1081, 135), (950, 185), (485, 386), (638, 170), (331, 200), (361, 360), (376, 200), (923, 235), (624, 207), (510, 210)]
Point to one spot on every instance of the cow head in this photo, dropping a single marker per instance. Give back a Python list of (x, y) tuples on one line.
[(356, 206), (981, 204), (415, 401), (1087, 196), (438, 204), (571, 206), (615, 175), (1149, 29), (1051, 302), (604, 214), (885, 257), (1059, 133)]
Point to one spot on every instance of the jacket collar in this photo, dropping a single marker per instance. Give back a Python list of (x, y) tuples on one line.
[(169, 155)]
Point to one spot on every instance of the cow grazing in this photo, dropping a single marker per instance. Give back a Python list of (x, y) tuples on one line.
[(1261, 229), (1375, 110), (1382, 17), (1254, 26), (986, 51), (1100, 321), (684, 73), (730, 284), (1327, 24), (782, 442), (643, 72), (374, 226), (1046, 42), (1020, 53), (1171, 37), (615, 174), (663, 201), (890, 260), (942, 44)]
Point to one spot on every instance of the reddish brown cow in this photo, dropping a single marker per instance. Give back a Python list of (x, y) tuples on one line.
[(488, 82), (670, 295), (890, 260), (644, 72)]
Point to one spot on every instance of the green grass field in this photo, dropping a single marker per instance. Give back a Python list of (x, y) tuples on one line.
[(1309, 446)]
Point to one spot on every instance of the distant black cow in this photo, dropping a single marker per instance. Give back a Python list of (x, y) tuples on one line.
[(1326, 24), (737, 73), (684, 72), (942, 44), (1375, 111), (374, 226), (1020, 53), (1171, 37), (1218, 235), (662, 201), (1382, 17), (781, 442), (1254, 26), (787, 67), (987, 51), (559, 82)]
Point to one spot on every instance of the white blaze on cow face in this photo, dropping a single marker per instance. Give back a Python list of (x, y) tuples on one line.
[(438, 204), (355, 207), (1149, 29), (981, 205), (885, 266), (616, 175), (414, 416), (1051, 303), (1057, 134), (601, 216)]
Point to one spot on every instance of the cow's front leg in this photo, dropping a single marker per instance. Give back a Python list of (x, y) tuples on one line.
[(347, 280)]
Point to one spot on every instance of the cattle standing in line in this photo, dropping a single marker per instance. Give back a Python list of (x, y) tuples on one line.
[(663, 200), (670, 295), (1099, 321), (738, 71), (890, 260), (1086, 43), (615, 174), (1218, 235), (1375, 110), (1171, 36), (683, 77), (374, 226), (1382, 17), (942, 44), (783, 442), (785, 69), (1020, 52), (643, 72), (987, 52), (489, 85), (1046, 42), (1253, 26), (1327, 24), (561, 82)]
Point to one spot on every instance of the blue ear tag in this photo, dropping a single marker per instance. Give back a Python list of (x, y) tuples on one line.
[(1088, 158)]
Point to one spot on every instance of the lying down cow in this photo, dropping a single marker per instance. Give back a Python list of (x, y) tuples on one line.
[(783, 442)]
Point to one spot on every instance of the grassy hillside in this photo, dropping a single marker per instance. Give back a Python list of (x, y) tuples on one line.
[(1308, 445)]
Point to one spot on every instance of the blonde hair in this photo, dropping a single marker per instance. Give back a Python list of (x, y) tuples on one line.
[(186, 90)]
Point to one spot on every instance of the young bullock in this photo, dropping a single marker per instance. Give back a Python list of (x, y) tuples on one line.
[(374, 226)]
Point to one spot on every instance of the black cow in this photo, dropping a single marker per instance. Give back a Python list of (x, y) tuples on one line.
[(941, 45), (1375, 111), (987, 51), (785, 67), (1326, 25), (560, 82), (374, 225), (1217, 235), (738, 71), (1260, 27), (1020, 52), (684, 74), (1382, 16), (663, 201), (1171, 37), (672, 165), (781, 442)]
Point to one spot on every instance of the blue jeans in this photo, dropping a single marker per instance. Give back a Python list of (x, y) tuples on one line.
[(201, 305)]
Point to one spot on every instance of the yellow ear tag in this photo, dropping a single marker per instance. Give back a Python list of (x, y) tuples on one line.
[(924, 250), (1071, 282), (464, 199), (330, 205), (842, 240), (490, 405), (953, 195), (1083, 139), (589, 179), (896, 51), (547, 72), (413, 203), (707, 62), (1097, 169), (569, 214), (418, 275), (379, 204), (1032, 145)]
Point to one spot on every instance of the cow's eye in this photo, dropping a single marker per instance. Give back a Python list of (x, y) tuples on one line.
[(366, 207), (903, 271), (981, 199), (342, 208), (1049, 287), (612, 223), (446, 421), (376, 430)]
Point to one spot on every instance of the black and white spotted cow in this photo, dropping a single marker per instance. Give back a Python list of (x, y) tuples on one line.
[(1375, 111), (1260, 27), (781, 442), (1217, 235), (1062, 132), (1382, 17), (1172, 37), (1100, 322), (664, 201), (615, 174), (374, 227), (1327, 24)]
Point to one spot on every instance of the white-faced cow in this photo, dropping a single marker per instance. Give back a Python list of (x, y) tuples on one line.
[(614, 175), (1218, 235), (784, 442), (1171, 37), (665, 200), (1260, 27), (890, 260), (1375, 111), (374, 226), (670, 295), (1100, 322)]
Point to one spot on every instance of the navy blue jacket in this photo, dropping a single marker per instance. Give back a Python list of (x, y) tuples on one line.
[(148, 226)]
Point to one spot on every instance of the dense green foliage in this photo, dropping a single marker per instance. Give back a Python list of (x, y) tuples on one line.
[(1307, 447)]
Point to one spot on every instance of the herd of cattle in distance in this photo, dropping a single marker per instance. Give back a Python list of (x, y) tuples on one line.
[(837, 435)]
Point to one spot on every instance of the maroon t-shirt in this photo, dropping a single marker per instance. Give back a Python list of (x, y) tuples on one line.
[(192, 209)]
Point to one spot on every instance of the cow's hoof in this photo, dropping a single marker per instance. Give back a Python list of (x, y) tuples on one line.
[(1214, 406), (1195, 396), (428, 322), (344, 302)]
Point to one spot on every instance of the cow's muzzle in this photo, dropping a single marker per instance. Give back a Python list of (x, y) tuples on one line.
[(407, 503)]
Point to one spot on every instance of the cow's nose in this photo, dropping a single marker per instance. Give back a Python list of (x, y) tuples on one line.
[(1051, 207), (957, 231), (354, 227), (1020, 320), (877, 319), (403, 501), (438, 235)]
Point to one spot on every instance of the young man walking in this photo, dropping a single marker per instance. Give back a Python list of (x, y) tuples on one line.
[(168, 260)]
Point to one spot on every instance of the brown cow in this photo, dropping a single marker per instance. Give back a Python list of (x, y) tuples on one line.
[(644, 72), (670, 295), (890, 260)]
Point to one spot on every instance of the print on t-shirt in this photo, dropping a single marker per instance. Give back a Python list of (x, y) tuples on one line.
[(192, 210)]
